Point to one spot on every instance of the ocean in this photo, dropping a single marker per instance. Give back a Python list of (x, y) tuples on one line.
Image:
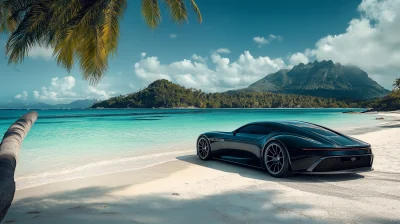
[(70, 144)]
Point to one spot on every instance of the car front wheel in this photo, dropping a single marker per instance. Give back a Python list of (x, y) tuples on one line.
[(275, 160), (203, 148)]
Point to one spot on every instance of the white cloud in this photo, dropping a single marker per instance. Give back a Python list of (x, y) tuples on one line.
[(22, 96), (371, 42), (97, 93), (298, 58), (41, 52), (263, 41), (143, 54), (260, 41), (223, 51), (199, 58), (222, 75), (273, 37), (59, 90), (64, 90), (173, 36)]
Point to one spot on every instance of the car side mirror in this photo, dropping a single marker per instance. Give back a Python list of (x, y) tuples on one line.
[(234, 133)]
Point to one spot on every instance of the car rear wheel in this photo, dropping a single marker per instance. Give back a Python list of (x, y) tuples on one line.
[(203, 148), (276, 160)]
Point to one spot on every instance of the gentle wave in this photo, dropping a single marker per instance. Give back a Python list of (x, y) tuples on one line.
[(97, 169)]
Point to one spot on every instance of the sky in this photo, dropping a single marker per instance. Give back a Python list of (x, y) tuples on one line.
[(238, 43)]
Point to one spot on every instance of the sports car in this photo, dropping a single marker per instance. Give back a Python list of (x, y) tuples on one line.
[(286, 147)]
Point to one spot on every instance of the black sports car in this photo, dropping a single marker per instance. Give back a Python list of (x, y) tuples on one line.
[(288, 146)]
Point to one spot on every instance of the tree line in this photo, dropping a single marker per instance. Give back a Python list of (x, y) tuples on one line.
[(389, 102), (165, 94)]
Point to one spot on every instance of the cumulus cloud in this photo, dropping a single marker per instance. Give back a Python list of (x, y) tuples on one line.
[(97, 93), (63, 90), (40, 52), (370, 42), (263, 40), (223, 51), (273, 37), (222, 75), (172, 36), (199, 58), (260, 41), (143, 54), (59, 90), (22, 96), (298, 58)]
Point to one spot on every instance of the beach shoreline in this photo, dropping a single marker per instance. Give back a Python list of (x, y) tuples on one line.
[(217, 192), (147, 158)]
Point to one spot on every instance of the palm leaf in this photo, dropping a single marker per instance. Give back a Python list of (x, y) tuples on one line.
[(75, 26), (178, 10), (396, 84), (151, 13), (27, 34), (79, 31), (92, 55), (196, 10), (110, 29)]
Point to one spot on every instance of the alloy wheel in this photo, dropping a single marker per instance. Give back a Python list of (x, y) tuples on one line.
[(274, 158), (203, 148)]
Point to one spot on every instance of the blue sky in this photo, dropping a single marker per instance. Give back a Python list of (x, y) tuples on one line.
[(238, 43)]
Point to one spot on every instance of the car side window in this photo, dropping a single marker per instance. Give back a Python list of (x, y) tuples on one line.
[(255, 129)]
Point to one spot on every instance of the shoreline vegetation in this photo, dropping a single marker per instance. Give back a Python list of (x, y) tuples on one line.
[(163, 94)]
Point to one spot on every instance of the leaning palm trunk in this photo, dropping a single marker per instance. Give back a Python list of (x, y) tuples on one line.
[(9, 150)]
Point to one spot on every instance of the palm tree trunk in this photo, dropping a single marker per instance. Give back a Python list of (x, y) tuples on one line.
[(9, 150)]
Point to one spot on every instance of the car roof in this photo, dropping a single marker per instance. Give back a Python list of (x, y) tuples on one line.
[(282, 122)]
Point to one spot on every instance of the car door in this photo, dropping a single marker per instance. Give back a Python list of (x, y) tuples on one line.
[(247, 141)]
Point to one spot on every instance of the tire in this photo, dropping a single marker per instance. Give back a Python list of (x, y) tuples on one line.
[(276, 160), (203, 148)]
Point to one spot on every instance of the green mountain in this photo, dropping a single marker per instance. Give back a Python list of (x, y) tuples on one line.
[(323, 79), (165, 94)]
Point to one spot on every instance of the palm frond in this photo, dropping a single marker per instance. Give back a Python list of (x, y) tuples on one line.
[(28, 33), (92, 55), (13, 12), (196, 10), (75, 26), (110, 29), (151, 13), (3, 18), (178, 10), (80, 31), (396, 84)]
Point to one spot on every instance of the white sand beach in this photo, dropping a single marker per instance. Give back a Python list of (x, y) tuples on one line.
[(188, 190)]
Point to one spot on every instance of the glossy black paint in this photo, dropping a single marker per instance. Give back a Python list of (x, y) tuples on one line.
[(305, 143)]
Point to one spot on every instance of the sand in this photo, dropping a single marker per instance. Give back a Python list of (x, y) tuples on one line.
[(189, 190)]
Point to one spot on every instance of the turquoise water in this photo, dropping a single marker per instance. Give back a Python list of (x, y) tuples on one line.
[(67, 144)]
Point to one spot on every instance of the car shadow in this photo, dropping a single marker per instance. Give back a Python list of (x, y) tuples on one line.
[(261, 174)]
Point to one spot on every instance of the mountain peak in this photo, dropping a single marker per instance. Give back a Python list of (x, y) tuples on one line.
[(325, 79), (160, 82)]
